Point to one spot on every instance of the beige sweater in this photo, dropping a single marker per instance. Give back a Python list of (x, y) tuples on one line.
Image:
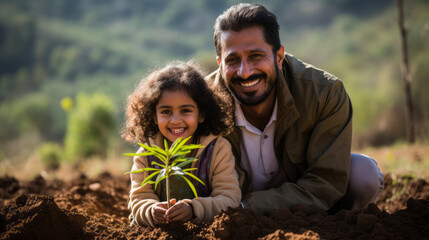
[(223, 181)]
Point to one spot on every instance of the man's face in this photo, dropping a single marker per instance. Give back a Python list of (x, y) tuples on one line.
[(248, 64)]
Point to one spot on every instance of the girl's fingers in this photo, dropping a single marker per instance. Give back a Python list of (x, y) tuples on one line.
[(180, 212), (163, 205), (158, 213)]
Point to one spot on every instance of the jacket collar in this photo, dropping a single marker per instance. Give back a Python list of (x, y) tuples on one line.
[(287, 113)]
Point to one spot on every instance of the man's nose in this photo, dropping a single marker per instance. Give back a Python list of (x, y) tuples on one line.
[(245, 70)]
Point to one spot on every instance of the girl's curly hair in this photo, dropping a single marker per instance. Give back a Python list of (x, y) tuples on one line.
[(141, 105)]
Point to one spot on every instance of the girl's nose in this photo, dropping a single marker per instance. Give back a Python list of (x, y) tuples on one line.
[(175, 118), (245, 70)]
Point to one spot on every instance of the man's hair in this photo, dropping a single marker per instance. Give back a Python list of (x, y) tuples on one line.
[(245, 15), (176, 76)]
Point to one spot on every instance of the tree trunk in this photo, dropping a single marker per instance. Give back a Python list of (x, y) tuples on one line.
[(406, 75)]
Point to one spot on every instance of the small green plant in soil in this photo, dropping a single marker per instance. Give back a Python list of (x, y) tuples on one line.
[(173, 159)]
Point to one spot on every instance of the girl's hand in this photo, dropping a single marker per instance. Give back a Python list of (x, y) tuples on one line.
[(181, 211), (159, 212)]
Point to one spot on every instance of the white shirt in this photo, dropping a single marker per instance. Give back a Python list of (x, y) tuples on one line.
[(257, 149)]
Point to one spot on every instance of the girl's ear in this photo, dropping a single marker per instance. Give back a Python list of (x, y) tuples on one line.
[(201, 119), (155, 120)]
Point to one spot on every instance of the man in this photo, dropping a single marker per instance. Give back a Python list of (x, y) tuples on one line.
[(293, 122)]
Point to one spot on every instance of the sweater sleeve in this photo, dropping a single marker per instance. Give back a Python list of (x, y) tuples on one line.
[(223, 182), (142, 198)]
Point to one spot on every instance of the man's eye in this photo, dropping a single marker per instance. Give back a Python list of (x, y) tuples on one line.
[(255, 56), (230, 60)]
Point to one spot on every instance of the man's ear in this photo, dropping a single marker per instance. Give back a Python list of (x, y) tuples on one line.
[(280, 55), (218, 60)]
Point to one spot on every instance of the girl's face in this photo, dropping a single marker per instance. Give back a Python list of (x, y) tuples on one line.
[(177, 115)]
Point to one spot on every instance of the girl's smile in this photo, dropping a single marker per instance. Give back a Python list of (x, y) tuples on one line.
[(177, 115), (177, 130)]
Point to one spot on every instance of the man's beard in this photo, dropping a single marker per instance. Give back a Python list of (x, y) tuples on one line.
[(250, 99)]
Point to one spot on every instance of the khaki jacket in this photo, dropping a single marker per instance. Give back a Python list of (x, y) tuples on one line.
[(223, 180), (312, 140)]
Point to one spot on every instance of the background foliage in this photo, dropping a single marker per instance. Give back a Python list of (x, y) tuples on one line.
[(55, 49), (89, 127)]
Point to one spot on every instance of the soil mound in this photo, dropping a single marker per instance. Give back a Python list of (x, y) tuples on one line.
[(39, 217), (96, 208)]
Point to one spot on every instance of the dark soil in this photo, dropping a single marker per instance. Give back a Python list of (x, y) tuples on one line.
[(97, 209)]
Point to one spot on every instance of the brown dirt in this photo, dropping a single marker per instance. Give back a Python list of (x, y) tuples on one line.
[(97, 209)]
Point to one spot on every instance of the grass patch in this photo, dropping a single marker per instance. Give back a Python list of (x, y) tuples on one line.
[(401, 158)]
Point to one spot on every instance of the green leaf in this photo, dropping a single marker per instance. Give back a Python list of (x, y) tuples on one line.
[(155, 150), (148, 179), (180, 160), (159, 180), (187, 149), (180, 154), (175, 168), (186, 162), (161, 175), (160, 153), (177, 145), (165, 145), (155, 163), (189, 169), (173, 146), (192, 147), (158, 149), (178, 172), (138, 154), (143, 170), (191, 186), (195, 177), (146, 147), (176, 155)]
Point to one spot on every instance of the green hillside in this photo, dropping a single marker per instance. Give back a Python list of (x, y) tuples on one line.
[(56, 49)]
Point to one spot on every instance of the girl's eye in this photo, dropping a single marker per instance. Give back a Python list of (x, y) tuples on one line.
[(186, 110), (165, 112)]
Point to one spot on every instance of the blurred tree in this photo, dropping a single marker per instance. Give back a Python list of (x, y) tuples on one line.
[(16, 43), (28, 113), (51, 155), (90, 126), (406, 75)]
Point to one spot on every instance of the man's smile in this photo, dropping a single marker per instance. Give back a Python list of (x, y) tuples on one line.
[(250, 83)]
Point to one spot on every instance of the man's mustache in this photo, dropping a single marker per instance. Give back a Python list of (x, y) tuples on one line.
[(252, 77)]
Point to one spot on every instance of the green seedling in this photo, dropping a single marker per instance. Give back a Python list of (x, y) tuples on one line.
[(174, 159)]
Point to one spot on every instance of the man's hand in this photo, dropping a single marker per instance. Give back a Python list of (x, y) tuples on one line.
[(181, 211)]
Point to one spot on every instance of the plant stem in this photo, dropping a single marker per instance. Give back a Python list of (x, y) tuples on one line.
[(167, 184), (168, 192)]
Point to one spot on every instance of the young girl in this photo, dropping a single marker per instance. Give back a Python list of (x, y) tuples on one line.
[(174, 102)]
